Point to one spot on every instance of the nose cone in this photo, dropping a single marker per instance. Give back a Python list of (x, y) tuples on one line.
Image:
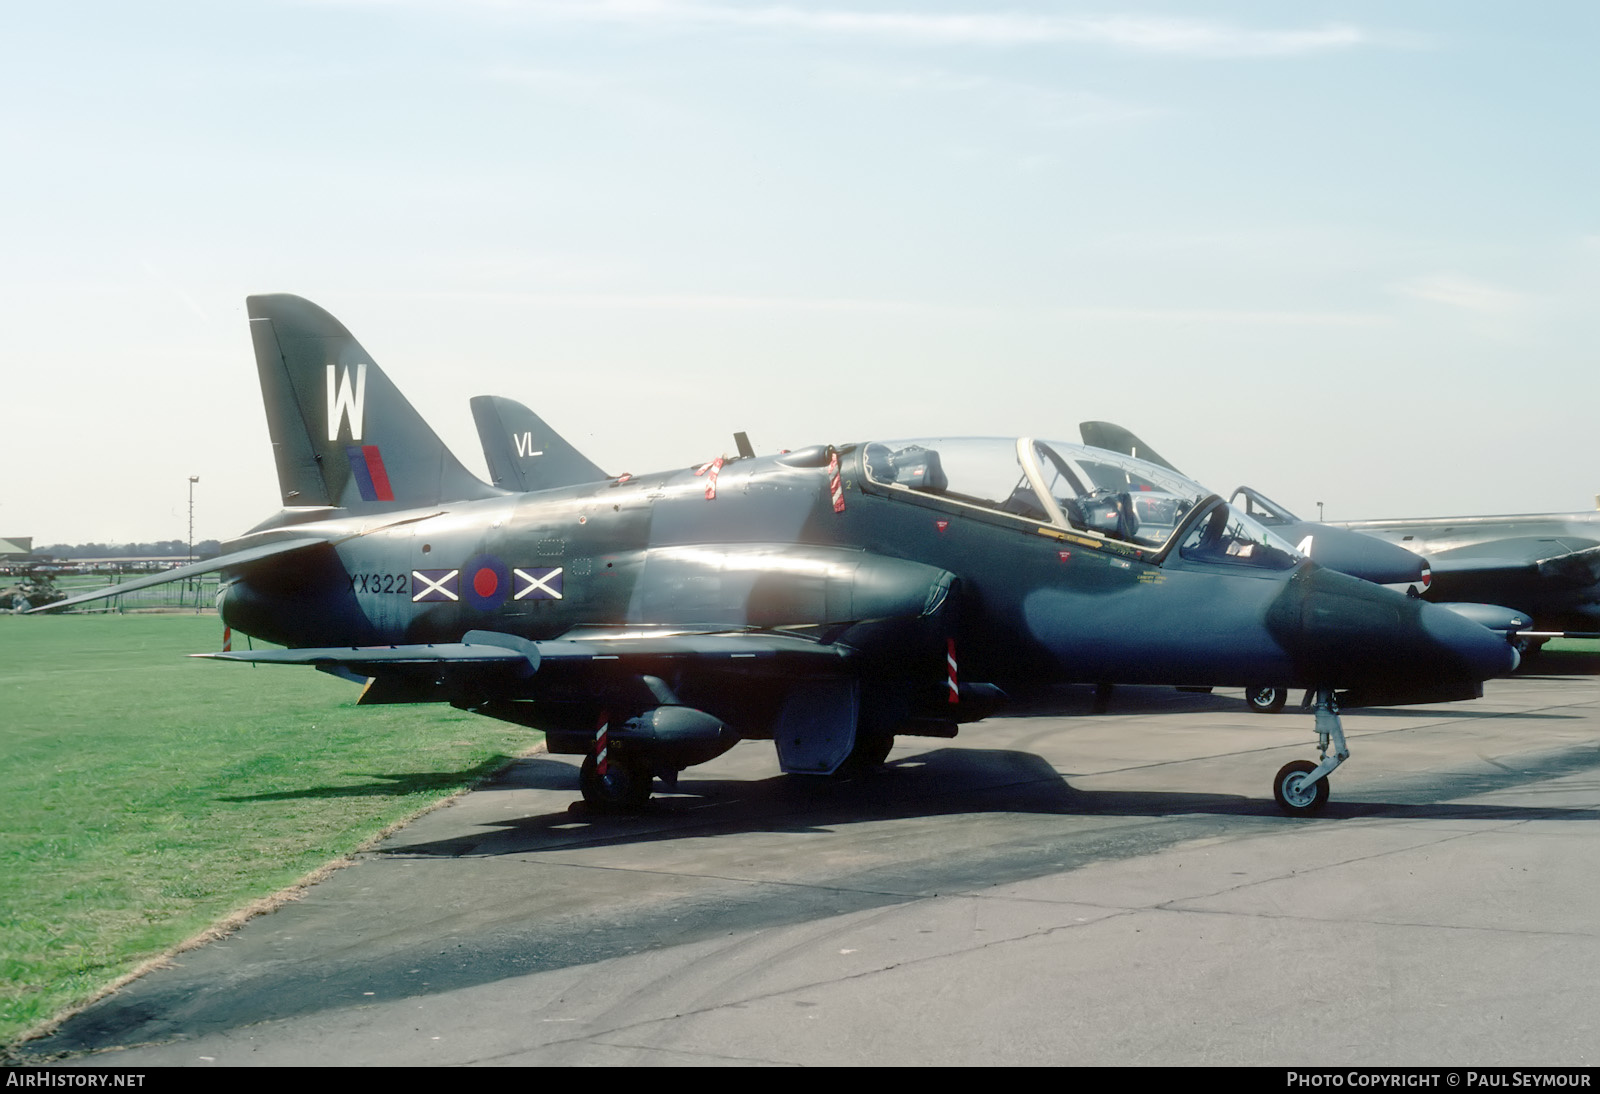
[(1359, 555), (1382, 647), (1483, 652)]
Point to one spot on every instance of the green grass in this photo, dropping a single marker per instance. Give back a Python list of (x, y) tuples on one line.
[(146, 795)]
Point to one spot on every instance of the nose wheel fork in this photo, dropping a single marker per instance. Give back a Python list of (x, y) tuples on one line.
[(1301, 787)]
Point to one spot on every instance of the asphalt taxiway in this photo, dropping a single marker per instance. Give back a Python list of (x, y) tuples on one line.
[(1061, 887)]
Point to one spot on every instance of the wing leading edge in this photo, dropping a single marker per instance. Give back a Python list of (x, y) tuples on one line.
[(1533, 556), (489, 648)]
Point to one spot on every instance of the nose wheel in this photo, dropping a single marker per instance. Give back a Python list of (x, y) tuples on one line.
[(1296, 793), (1301, 787)]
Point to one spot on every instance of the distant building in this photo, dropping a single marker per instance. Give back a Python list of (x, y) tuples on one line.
[(124, 563), (16, 548)]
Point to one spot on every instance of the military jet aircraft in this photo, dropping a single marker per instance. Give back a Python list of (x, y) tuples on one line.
[(1544, 566), (826, 598)]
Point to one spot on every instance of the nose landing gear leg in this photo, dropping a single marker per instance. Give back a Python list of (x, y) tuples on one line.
[(1301, 787)]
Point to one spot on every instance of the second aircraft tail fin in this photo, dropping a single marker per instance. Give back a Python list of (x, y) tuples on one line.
[(1114, 438), (523, 453)]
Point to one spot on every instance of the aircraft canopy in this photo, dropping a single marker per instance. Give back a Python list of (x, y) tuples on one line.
[(1071, 486)]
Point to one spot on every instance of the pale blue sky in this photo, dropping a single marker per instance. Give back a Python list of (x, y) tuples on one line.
[(1346, 252)]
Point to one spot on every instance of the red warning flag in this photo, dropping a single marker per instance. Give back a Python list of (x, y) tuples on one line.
[(711, 481)]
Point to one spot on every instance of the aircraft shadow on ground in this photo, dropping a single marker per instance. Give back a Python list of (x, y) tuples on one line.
[(951, 782), (1131, 701), (392, 785), (1070, 700), (1065, 701), (1560, 663), (1454, 712)]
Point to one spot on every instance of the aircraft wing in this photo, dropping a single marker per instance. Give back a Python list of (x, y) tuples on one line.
[(193, 569), (490, 648), (1539, 557), (374, 659), (489, 669)]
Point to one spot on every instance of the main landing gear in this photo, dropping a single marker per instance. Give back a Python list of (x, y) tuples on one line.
[(624, 786), (1301, 787), (1266, 700)]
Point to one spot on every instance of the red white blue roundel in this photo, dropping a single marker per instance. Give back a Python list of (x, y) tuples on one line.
[(485, 583)]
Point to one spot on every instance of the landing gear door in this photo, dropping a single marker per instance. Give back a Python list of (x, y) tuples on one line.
[(816, 729)]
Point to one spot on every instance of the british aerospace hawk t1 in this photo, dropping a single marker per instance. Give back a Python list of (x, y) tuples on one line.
[(826, 598)]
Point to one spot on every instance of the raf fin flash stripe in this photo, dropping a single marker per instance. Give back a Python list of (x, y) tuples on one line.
[(372, 478)]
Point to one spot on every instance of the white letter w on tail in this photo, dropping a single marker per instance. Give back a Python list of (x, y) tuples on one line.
[(342, 401)]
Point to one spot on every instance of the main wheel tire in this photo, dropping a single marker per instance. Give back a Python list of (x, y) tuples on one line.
[(1294, 795), (1266, 700), (624, 785), (868, 754), (874, 750)]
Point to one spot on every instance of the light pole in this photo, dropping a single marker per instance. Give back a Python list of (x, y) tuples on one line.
[(192, 480), (194, 586)]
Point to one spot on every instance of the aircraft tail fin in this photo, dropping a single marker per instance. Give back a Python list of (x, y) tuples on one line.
[(523, 453), (342, 434), (1114, 438)]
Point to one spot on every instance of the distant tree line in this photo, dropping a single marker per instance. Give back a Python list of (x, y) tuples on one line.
[(166, 548)]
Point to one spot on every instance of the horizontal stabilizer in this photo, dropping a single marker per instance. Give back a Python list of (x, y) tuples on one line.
[(193, 569)]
